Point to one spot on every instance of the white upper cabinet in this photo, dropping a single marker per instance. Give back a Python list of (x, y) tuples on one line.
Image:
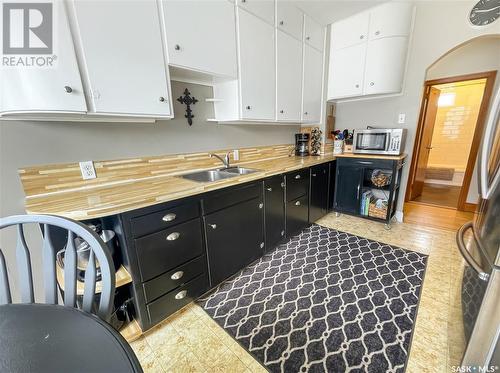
[(124, 61), (314, 33), (263, 9), (384, 70), (45, 89), (289, 18), (346, 72), (350, 31), (289, 84), (313, 78), (210, 45), (390, 19), (257, 68)]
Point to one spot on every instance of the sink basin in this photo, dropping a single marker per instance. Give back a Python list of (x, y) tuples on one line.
[(210, 175), (214, 175), (239, 170)]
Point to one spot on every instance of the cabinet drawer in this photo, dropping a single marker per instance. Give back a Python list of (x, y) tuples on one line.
[(162, 219), (297, 184), (171, 302), (164, 250), (366, 162), (233, 196), (297, 215), (168, 281)]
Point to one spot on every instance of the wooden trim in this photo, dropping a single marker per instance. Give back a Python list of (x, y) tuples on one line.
[(483, 111), (478, 134), (469, 207)]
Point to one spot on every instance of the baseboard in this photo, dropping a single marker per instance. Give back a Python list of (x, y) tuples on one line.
[(399, 216), (470, 207)]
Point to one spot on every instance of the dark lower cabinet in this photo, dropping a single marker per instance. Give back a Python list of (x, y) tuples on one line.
[(318, 203), (274, 205), (297, 214), (331, 184), (235, 238), (347, 187)]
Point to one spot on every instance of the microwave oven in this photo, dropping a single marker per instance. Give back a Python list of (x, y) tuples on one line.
[(388, 141)]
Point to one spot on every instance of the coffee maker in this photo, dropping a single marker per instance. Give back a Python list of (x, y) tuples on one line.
[(302, 144)]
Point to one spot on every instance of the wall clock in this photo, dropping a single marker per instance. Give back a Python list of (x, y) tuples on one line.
[(484, 12)]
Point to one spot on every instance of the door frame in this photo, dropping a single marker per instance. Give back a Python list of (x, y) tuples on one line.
[(478, 131)]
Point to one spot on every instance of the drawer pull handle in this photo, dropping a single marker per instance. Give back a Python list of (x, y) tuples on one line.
[(213, 226), (297, 203), (169, 217), (282, 184), (297, 177), (173, 236), (177, 275), (269, 189), (181, 294), (261, 205), (313, 175)]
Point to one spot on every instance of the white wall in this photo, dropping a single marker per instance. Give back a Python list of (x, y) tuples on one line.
[(30, 143), (440, 26)]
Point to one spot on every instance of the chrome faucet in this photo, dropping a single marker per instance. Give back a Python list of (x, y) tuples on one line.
[(224, 160)]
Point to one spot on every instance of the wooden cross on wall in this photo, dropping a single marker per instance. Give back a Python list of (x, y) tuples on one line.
[(188, 101)]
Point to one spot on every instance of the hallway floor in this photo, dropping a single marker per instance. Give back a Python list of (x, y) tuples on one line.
[(441, 195), (190, 341), (435, 216)]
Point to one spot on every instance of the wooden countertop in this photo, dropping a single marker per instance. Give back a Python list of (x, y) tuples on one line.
[(125, 196)]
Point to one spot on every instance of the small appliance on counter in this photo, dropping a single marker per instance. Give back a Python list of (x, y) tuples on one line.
[(387, 141), (302, 144)]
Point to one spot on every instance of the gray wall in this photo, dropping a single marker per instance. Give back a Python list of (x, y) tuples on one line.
[(30, 143), (440, 26)]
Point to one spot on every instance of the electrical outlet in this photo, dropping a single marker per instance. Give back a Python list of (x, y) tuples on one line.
[(236, 155), (401, 118), (87, 169)]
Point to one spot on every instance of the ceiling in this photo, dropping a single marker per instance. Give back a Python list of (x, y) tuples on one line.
[(328, 11)]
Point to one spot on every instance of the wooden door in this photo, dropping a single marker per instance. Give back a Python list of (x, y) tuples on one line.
[(200, 47), (431, 108), (289, 84), (123, 55), (347, 187), (257, 68), (274, 201), (318, 203), (313, 78)]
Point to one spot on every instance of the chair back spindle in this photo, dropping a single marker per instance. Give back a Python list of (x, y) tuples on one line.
[(49, 266), (5, 297), (24, 267)]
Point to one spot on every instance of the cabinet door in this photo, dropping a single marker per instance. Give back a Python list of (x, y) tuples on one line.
[(350, 31), (274, 202), (318, 203), (263, 9), (235, 238), (123, 54), (346, 72), (57, 88), (314, 33), (289, 84), (331, 185), (257, 68), (313, 78), (347, 188), (385, 65), (390, 19), (199, 48), (289, 18), (297, 215)]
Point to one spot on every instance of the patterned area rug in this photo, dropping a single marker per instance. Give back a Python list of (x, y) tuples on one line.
[(326, 301)]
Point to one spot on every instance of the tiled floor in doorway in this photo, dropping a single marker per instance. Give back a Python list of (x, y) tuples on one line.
[(190, 341)]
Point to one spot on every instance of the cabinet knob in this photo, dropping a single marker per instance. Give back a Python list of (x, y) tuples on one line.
[(361, 37), (177, 47), (177, 275), (243, 1), (297, 203), (313, 175), (377, 32), (248, 107), (357, 85), (297, 176), (162, 99), (169, 217), (282, 23), (68, 89), (372, 84), (306, 113), (262, 245), (213, 226), (269, 189), (282, 184), (308, 38), (261, 205), (282, 111), (282, 233), (181, 294), (173, 236)]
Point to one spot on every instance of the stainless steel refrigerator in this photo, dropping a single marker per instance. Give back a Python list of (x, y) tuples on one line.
[(480, 293)]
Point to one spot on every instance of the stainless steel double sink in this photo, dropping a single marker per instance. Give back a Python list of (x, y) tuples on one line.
[(218, 174)]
